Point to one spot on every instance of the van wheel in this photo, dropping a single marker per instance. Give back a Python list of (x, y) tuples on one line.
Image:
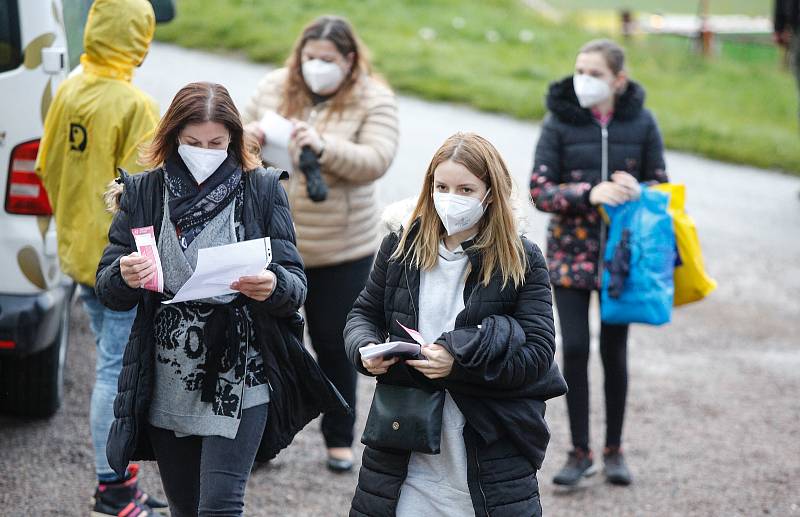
[(34, 385)]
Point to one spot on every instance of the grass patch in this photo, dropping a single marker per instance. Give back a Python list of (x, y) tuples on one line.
[(498, 55), (749, 7)]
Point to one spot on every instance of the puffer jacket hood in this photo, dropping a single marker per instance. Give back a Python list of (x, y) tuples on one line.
[(569, 162), (563, 103), (117, 37)]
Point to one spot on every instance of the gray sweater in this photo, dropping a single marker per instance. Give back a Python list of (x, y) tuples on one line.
[(436, 484), (180, 351)]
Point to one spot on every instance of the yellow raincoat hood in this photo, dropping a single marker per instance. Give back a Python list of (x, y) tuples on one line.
[(96, 123), (117, 36)]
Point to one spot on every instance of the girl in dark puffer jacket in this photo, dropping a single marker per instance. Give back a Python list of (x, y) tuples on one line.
[(597, 144), (478, 293)]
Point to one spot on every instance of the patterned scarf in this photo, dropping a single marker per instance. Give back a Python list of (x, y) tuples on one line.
[(192, 206)]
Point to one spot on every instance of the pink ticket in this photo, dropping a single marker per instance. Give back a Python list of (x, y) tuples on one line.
[(416, 336), (145, 239)]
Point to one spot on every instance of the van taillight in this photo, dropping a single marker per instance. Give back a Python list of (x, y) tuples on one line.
[(25, 193)]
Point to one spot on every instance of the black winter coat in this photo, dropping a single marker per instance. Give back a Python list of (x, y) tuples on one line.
[(502, 375), (569, 161), (300, 391), (786, 15)]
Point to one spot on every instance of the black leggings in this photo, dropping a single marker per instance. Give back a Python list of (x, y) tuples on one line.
[(207, 475), (332, 291), (573, 315)]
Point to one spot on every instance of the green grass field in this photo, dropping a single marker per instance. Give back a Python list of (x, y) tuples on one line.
[(738, 107), (749, 7)]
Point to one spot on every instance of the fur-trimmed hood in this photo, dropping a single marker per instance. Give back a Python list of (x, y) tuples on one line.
[(562, 102)]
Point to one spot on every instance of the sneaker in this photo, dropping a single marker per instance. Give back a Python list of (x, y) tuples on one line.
[(125, 499), (579, 464), (614, 467)]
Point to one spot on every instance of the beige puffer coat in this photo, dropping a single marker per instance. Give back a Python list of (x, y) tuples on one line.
[(360, 144)]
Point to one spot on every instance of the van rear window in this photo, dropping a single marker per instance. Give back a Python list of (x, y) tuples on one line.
[(10, 51)]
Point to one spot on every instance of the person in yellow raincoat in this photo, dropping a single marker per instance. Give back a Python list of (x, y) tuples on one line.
[(96, 123)]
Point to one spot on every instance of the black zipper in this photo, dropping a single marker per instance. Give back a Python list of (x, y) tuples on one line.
[(410, 295), (603, 177), (469, 298), (478, 469)]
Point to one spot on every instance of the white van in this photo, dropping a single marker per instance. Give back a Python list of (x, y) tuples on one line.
[(40, 41)]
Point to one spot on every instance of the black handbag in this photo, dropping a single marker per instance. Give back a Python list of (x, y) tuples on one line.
[(405, 418)]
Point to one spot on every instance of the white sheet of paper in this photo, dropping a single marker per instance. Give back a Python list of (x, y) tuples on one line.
[(220, 266), (390, 349), (278, 132)]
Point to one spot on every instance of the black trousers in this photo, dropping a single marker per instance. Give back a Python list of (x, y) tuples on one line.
[(207, 475), (573, 315), (332, 291)]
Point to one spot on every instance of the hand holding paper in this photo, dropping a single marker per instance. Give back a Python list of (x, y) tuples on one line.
[(219, 267), (145, 240), (436, 364), (391, 349), (277, 133), (435, 361), (258, 287), (378, 365), (396, 348)]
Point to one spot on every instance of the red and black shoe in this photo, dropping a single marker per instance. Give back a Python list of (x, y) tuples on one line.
[(141, 496), (125, 499)]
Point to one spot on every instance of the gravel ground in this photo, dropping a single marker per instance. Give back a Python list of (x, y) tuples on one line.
[(713, 410)]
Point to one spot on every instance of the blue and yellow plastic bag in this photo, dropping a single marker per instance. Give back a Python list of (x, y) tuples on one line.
[(639, 259), (692, 283)]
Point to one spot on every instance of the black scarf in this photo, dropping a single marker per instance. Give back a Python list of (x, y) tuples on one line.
[(222, 339), (192, 206)]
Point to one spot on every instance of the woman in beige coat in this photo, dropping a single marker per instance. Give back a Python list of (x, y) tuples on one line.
[(348, 118)]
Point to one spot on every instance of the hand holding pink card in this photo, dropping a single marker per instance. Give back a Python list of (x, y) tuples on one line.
[(145, 239)]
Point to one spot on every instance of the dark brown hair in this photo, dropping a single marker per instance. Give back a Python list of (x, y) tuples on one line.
[(611, 52), (337, 30), (196, 103)]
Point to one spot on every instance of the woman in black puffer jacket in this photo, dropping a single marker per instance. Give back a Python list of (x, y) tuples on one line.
[(478, 292), (597, 143), (207, 386)]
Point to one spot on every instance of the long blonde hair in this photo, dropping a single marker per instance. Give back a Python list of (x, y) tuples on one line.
[(498, 240)]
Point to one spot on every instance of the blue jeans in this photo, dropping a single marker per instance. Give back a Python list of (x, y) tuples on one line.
[(111, 331)]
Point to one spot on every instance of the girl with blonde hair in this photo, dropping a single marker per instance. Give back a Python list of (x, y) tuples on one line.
[(459, 428)]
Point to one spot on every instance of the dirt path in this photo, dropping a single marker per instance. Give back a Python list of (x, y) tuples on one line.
[(712, 423)]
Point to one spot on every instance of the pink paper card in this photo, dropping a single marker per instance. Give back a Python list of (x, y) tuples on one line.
[(145, 239), (416, 336)]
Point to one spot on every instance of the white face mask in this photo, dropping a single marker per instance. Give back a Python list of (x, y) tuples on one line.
[(458, 213), (590, 90), (322, 76), (201, 162)]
